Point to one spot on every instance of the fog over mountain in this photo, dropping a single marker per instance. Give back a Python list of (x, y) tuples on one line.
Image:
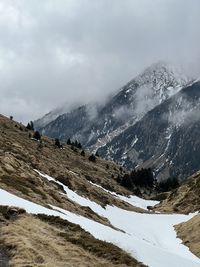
[(152, 121), (77, 51)]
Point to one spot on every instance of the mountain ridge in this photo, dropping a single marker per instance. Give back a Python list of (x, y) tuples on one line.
[(96, 127), (132, 101)]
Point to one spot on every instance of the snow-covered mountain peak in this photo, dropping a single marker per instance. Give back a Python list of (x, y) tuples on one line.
[(160, 79), (163, 78), (154, 85), (95, 126), (163, 72)]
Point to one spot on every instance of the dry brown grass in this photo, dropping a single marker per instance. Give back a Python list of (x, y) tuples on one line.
[(50, 242), (19, 155), (32, 242), (184, 199), (189, 232)]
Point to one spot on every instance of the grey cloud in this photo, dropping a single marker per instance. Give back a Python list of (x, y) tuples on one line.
[(186, 114), (52, 52)]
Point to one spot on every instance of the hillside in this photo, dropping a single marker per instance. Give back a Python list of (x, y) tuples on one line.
[(51, 241), (97, 124), (184, 199), (58, 208), (139, 125), (20, 155), (165, 139), (190, 234)]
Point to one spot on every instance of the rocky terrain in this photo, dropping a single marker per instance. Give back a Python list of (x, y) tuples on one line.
[(165, 139)]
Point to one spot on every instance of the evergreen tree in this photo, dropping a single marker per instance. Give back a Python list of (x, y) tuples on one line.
[(168, 184), (69, 141), (127, 182), (37, 135), (139, 178), (118, 179), (83, 153), (79, 146), (92, 158), (57, 143), (30, 126)]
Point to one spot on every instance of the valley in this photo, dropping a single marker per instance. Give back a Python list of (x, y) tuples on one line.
[(47, 193)]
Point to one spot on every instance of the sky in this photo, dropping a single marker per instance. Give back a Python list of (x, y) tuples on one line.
[(76, 51)]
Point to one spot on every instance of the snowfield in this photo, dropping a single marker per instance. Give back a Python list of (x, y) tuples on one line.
[(133, 200), (150, 238)]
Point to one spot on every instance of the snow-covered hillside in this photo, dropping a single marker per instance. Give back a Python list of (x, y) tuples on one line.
[(150, 238)]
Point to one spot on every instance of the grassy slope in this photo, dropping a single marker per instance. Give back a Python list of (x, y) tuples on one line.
[(184, 199), (189, 232), (19, 156), (44, 241)]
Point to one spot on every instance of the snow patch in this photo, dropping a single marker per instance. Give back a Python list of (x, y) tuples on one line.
[(150, 238)]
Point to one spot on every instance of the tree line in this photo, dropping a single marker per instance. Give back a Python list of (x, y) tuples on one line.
[(144, 178)]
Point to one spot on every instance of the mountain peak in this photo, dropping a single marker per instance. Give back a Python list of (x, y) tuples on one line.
[(163, 72)]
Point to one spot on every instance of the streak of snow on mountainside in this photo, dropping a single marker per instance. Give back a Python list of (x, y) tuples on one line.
[(133, 200), (156, 84), (104, 122)]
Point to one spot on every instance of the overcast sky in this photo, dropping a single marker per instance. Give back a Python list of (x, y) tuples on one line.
[(56, 51)]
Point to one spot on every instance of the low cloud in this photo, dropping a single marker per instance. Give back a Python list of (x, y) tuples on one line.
[(183, 111), (52, 52), (123, 113)]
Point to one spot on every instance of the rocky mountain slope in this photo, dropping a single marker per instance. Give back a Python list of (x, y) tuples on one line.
[(57, 208), (142, 125), (95, 125), (166, 138)]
